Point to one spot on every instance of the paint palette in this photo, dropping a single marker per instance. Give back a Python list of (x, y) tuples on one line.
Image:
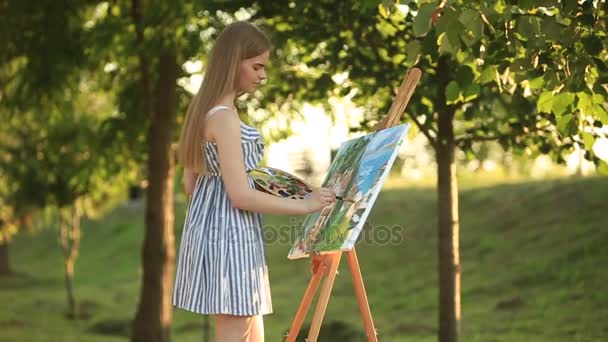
[(280, 183)]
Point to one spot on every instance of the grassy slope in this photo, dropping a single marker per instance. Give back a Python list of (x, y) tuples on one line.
[(533, 260)]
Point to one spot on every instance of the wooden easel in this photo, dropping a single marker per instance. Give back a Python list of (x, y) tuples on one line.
[(326, 265)]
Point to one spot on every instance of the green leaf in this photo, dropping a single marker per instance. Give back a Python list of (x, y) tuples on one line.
[(499, 6), (566, 125), (467, 38), (519, 65), (413, 51), (384, 10), (445, 45), (471, 19), (528, 27), (453, 28), (471, 92), (597, 98), (464, 76), (448, 15), (489, 74), (545, 101), (452, 92), (599, 113), (428, 45), (525, 4), (551, 80), (422, 20), (398, 58), (536, 83), (592, 44), (115, 10), (591, 76), (602, 168), (588, 139), (368, 4), (585, 103), (544, 3), (551, 29), (561, 102)]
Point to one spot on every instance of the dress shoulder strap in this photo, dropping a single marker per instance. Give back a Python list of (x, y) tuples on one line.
[(215, 109)]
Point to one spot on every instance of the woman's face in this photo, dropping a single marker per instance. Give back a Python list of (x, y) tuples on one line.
[(252, 72)]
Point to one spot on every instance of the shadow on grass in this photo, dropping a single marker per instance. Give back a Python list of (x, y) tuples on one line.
[(21, 281), (333, 331), (112, 327)]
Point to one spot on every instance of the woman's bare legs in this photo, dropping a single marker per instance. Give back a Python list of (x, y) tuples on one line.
[(230, 328), (257, 329)]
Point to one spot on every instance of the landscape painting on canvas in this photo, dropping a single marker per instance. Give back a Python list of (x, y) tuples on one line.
[(356, 174)]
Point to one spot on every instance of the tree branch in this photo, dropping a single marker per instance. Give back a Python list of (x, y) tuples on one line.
[(423, 129), (473, 137)]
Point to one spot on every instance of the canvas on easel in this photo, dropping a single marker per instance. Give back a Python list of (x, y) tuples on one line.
[(356, 175)]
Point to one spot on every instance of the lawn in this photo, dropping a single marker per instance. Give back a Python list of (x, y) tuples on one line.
[(533, 255)]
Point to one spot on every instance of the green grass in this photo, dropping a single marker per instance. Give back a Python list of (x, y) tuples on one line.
[(533, 269)]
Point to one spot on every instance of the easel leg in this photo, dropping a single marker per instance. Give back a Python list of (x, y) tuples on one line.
[(313, 285), (366, 313), (330, 277)]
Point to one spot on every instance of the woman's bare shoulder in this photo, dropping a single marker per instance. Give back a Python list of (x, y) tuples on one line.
[(224, 122)]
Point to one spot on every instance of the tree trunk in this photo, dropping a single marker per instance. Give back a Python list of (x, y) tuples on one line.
[(154, 313), (447, 212), (5, 265), (70, 245), (68, 266)]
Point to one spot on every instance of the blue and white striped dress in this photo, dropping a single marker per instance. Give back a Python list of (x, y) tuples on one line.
[(221, 267)]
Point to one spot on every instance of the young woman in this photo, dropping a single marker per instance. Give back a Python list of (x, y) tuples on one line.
[(221, 269)]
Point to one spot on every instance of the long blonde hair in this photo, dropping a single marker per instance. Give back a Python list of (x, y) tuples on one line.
[(238, 41)]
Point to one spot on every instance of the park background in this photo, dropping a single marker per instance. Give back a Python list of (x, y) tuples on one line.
[(494, 210)]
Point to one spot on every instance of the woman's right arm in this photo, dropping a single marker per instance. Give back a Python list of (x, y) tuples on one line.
[(189, 180), (227, 135)]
